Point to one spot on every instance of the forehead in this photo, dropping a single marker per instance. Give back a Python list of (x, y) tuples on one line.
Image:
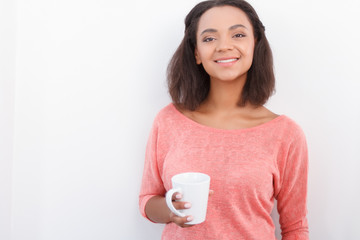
[(222, 18)]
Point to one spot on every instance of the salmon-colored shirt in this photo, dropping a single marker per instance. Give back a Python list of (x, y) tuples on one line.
[(249, 168)]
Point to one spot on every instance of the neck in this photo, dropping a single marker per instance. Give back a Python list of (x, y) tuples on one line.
[(224, 96)]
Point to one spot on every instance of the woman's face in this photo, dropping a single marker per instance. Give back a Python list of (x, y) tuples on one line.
[(225, 43)]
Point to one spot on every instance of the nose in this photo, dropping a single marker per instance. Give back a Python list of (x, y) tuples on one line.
[(224, 44)]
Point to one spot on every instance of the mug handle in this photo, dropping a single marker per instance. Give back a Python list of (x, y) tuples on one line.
[(168, 198)]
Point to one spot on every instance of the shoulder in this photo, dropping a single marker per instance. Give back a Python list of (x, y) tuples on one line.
[(283, 125), (167, 117), (293, 145), (290, 130), (292, 125), (166, 112)]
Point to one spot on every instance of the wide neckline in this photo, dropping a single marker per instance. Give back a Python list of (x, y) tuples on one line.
[(209, 128)]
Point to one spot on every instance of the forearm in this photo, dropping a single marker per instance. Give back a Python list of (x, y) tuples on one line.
[(156, 210)]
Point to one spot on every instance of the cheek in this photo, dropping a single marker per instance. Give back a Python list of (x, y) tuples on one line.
[(202, 55), (248, 49), (202, 52), (251, 53)]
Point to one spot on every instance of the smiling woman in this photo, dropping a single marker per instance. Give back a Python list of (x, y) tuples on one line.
[(219, 79), (189, 83)]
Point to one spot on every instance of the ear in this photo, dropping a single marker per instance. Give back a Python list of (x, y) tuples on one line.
[(197, 58)]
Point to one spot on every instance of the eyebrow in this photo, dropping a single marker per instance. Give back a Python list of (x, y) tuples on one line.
[(212, 30)]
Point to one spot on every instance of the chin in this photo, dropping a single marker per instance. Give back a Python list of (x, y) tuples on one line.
[(231, 78)]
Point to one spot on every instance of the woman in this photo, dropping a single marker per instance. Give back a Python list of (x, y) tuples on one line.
[(219, 79)]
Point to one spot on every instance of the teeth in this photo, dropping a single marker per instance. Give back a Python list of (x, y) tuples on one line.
[(227, 60)]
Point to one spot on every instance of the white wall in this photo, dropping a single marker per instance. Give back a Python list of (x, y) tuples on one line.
[(7, 78), (90, 77)]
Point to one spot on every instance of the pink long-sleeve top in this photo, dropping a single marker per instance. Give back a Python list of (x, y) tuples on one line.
[(249, 168)]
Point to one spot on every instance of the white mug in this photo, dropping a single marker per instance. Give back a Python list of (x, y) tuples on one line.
[(194, 188)]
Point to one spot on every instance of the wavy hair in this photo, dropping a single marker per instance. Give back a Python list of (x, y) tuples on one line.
[(189, 83)]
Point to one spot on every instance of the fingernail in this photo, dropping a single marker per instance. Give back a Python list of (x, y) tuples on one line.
[(189, 218), (178, 196), (187, 205)]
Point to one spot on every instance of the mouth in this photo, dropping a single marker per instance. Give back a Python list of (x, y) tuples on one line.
[(228, 60)]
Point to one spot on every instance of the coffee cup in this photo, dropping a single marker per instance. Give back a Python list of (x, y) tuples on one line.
[(194, 188)]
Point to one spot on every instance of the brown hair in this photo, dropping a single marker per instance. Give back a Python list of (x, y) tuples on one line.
[(188, 82)]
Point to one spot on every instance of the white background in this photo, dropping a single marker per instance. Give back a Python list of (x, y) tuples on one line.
[(80, 84)]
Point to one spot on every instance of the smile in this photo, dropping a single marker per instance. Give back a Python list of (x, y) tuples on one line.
[(227, 60)]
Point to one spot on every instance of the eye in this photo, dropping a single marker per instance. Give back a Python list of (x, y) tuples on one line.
[(239, 35), (208, 39)]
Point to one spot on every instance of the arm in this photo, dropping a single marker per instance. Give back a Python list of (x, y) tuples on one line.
[(151, 199), (293, 192), (157, 211)]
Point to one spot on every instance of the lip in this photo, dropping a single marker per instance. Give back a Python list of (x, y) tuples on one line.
[(227, 61)]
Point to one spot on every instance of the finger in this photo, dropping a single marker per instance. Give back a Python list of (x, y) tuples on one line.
[(176, 196), (182, 205), (211, 192), (181, 221)]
